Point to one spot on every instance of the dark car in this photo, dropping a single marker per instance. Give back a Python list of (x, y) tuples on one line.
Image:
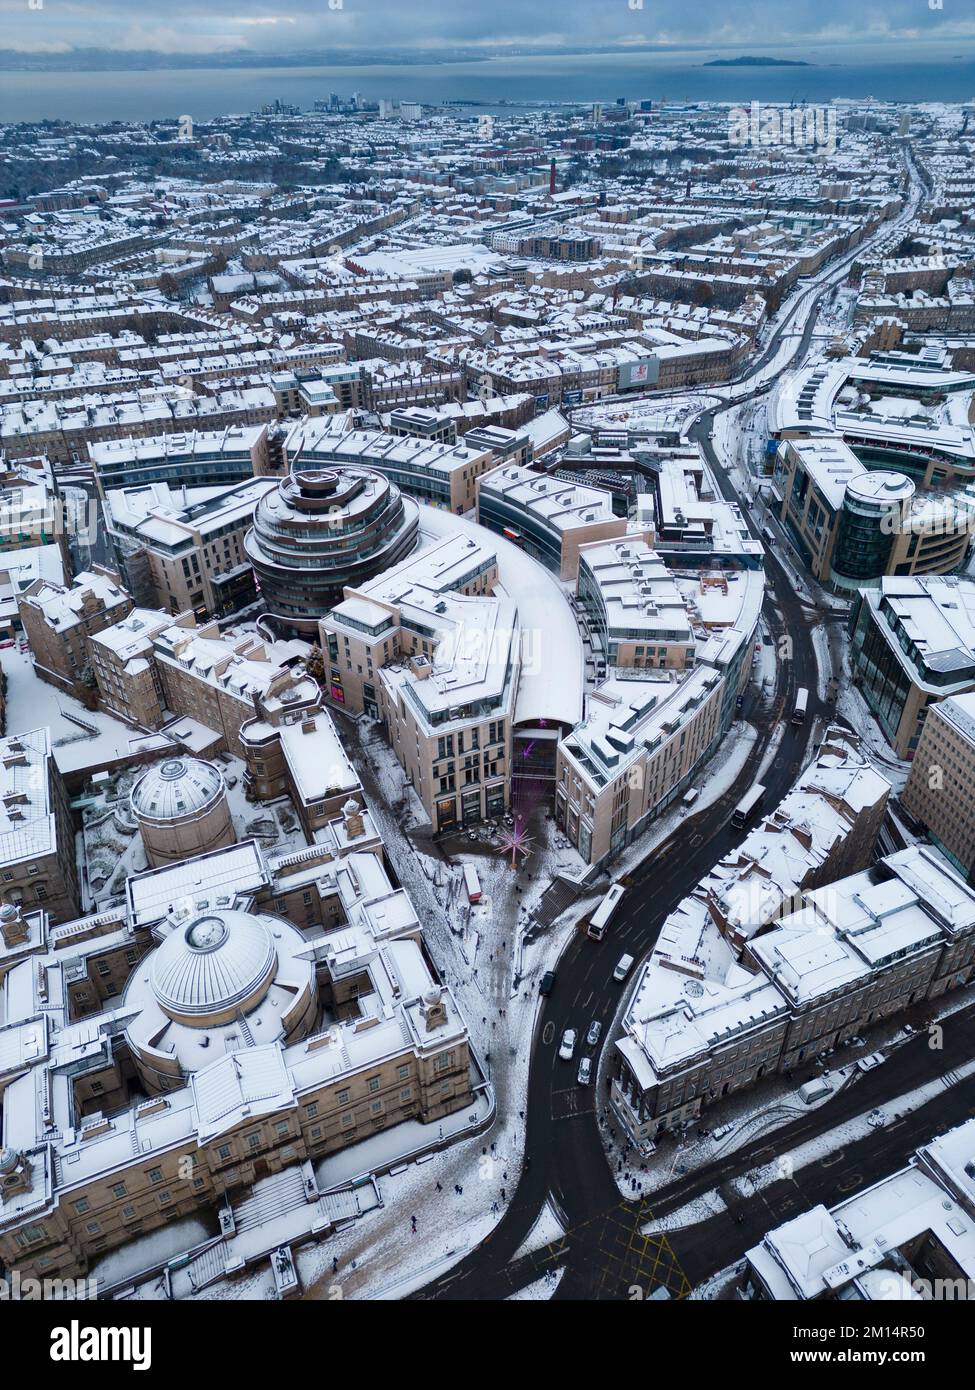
[(547, 983)]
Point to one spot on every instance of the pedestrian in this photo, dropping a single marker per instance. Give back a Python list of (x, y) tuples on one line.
[(413, 1224), (335, 1264), (439, 1188), (503, 1196)]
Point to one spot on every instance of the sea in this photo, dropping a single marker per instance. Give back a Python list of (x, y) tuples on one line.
[(494, 84)]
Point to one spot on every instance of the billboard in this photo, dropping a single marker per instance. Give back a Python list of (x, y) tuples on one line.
[(644, 372)]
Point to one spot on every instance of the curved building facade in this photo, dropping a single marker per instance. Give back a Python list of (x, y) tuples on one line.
[(320, 530), (873, 507), (182, 810)]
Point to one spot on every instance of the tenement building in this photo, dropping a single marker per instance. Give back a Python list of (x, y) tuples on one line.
[(152, 667), (706, 1021), (59, 619), (38, 864)]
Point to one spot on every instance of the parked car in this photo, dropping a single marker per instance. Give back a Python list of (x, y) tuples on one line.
[(594, 1034), (873, 1060), (547, 982), (585, 1071), (568, 1044)]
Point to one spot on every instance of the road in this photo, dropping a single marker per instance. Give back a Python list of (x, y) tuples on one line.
[(604, 1252)]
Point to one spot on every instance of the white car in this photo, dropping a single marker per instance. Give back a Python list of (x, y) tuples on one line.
[(568, 1044), (873, 1060), (585, 1071)]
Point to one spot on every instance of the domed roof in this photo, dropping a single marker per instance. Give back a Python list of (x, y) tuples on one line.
[(217, 961), (9, 1159), (176, 787)]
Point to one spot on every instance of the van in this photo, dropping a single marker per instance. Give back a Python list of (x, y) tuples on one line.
[(814, 1090), (623, 968), (689, 798)]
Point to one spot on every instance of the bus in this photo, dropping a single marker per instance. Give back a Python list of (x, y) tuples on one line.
[(472, 883), (802, 702), (747, 805), (601, 917)]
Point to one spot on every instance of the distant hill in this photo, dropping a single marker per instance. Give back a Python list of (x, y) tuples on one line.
[(757, 63)]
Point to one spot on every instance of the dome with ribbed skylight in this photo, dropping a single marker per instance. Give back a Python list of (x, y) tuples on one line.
[(213, 966), (176, 787)]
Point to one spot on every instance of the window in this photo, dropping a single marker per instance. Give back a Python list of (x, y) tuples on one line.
[(342, 1097), (82, 1205), (118, 1189), (312, 1110), (164, 1199), (128, 1213), (224, 1152), (155, 1175), (404, 1072), (30, 1235), (254, 1141), (348, 1120), (281, 1128), (373, 1083)]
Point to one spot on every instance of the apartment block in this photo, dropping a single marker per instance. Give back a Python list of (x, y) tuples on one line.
[(38, 868)]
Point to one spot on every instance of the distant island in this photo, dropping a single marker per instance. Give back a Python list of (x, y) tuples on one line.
[(757, 63)]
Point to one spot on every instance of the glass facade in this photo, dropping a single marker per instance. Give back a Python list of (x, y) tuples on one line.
[(320, 531)]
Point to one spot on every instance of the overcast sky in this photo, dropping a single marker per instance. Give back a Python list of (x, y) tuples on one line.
[(280, 26)]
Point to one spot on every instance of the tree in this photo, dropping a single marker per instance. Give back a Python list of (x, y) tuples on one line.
[(168, 285)]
